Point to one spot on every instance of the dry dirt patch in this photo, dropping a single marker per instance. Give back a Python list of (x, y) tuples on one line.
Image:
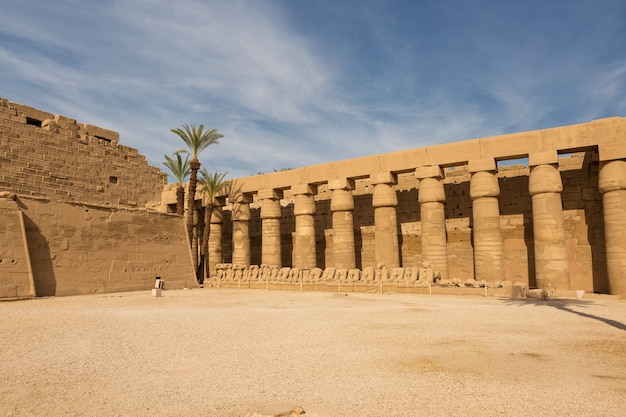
[(225, 352)]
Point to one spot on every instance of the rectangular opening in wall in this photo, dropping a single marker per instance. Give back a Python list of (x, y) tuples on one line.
[(523, 161), (112, 179), (33, 122), (456, 173), (574, 160)]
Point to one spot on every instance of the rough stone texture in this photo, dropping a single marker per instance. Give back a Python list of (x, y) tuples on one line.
[(16, 278), (304, 245), (79, 249), (488, 256), (270, 217), (613, 188), (77, 223), (551, 257), (342, 207), (384, 202), (241, 233), (66, 161)]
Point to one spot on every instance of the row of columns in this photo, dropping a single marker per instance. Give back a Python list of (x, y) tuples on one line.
[(545, 187)]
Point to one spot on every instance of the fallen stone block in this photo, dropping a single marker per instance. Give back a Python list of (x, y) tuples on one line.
[(539, 294)]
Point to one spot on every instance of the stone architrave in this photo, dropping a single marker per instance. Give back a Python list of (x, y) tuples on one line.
[(487, 235), (270, 227), (384, 202), (545, 187), (304, 246), (241, 230), (431, 197), (216, 255), (612, 184), (342, 208)]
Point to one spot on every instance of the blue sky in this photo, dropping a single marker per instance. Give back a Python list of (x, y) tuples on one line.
[(292, 83)]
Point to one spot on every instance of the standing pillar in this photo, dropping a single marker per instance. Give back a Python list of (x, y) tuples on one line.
[(487, 235), (384, 201), (216, 255), (612, 184), (545, 187), (270, 227), (304, 247), (431, 197), (241, 230), (342, 207)]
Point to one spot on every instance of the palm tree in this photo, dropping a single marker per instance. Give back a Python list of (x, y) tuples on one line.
[(197, 139), (210, 185), (180, 170)]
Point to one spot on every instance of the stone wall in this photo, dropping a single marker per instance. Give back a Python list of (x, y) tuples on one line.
[(72, 212), (79, 249), (45, 155)]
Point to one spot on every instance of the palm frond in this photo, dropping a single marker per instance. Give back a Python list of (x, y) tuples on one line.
[(196, 138), (179, 168), (212, 184)]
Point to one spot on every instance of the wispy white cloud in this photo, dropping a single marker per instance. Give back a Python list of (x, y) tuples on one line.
[(292, 84)]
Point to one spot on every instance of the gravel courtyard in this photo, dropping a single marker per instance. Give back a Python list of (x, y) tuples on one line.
[(207, 352)]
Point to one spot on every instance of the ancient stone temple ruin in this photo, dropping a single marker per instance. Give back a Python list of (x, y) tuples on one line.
[(82, 213), (73, 216), (545, 208)]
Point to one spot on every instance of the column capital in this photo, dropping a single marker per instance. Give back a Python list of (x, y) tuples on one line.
[(306, 189), (384, 195), (341, 200), (478, 165), (544, 178), (341, 184), (612, 176), (484, 184), (429, 171), (385, 177)]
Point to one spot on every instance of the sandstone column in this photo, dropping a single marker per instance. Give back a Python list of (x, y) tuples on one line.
[(384, 201), (342, 207), (612, 184), (545, 187), (241, 230), (304, 248), (487, 235), (270, 227), (431, 197), (216, 255)]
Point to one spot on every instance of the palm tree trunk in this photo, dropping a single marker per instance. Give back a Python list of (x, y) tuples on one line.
[(191, 209), (204, 247), (180, 199)]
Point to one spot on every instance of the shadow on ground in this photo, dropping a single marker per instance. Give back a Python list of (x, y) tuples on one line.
[(566, 305)]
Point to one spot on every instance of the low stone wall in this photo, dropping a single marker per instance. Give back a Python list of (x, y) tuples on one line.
[(82, 249)]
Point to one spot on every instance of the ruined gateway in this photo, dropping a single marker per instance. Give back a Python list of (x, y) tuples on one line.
[(81, 213)]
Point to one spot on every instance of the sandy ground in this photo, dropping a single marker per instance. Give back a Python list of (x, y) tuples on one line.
[(207, 352)]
